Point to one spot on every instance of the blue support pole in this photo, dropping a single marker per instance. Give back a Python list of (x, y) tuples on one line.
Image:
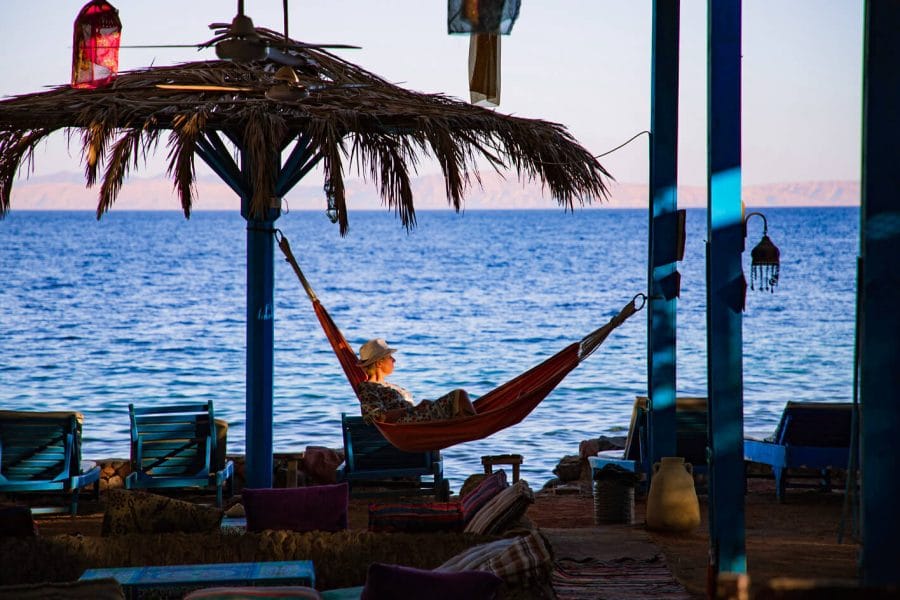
[(725, 291), (260, 338), (661, 313), (880, 297)]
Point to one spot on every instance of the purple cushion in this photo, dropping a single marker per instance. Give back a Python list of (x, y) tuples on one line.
[(394, 582), (315, 508), (489, 487)]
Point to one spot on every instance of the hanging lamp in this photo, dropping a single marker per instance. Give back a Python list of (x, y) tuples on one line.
[(765, 259), (485, 21), (95, 45)]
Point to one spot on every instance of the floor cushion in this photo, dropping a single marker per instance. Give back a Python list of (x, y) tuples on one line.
[(395, 582), (247, 593), (17, 521), (519, 561), (416, 518), (91, 589), (129, 511), (313, 508), (503, 510), (483, 493)]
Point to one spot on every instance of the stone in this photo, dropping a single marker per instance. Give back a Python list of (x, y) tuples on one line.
[(569, 468)]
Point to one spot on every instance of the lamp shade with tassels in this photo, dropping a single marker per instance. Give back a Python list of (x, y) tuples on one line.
[(95, 45)]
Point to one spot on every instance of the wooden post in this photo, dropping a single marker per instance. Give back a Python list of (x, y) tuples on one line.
[(725, 291), (664, 235), (880, 297)]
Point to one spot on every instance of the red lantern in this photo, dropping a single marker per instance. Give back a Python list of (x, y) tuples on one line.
[(95, 47)]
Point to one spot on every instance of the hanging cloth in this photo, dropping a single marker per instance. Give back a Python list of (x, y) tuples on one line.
[(502, 407)]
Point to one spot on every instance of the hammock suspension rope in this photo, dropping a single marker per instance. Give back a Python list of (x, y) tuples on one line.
[(502, 407)]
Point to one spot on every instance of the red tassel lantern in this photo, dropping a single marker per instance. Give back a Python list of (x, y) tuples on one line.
[(95, 47)]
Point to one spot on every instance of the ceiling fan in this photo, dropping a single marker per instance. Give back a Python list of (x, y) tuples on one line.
[(241, 41)]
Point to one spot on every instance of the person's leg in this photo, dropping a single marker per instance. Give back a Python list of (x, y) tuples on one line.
[(462, 404)]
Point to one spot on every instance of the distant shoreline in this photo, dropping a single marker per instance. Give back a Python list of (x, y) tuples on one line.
[(67, 191)]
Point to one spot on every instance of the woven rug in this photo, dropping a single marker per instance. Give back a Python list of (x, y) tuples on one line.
[(619, 579)]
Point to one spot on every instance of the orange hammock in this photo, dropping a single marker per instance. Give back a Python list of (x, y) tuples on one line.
[(496, 410)]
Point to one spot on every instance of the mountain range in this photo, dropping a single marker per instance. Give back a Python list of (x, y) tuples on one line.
[(67, 191)]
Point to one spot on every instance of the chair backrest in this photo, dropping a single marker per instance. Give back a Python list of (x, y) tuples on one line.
[(173, 441), (39, 446), (817, 424), (365, 449), (690, 426)]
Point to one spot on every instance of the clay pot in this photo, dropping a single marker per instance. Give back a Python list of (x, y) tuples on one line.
[(672, 503)]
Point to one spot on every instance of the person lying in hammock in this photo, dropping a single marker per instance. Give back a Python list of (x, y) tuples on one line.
[(386, 402)]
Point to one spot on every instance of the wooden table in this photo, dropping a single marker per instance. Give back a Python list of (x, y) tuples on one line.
[(177, 580), (515, 460)]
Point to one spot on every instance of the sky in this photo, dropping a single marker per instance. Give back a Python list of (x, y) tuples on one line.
[(582, 63)]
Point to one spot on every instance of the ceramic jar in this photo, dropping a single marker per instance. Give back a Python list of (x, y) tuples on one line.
[(672, 503)]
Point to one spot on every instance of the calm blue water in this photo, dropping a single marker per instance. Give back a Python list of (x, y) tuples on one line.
[(150, 308)]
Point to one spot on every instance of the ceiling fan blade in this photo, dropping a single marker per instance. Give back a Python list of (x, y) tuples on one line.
[(202, 87), (160, 46)]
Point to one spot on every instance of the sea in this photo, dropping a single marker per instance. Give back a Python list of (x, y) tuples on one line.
[(149, 308)]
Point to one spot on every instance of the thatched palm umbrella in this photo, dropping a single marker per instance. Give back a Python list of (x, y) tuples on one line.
[(331, 111)]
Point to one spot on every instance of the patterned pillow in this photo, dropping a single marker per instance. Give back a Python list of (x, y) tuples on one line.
[(140, 512), (406, 583), (489, 487), (314, 508), (247, 593), (518, 561), (503, 510), (415, 518)]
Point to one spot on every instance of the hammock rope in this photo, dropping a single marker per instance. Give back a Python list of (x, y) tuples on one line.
[(500, 408)]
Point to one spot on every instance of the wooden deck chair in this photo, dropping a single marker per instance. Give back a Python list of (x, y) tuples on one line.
[(41, 452), (178, 447), (370, 461), (691, 440), (810, 436)]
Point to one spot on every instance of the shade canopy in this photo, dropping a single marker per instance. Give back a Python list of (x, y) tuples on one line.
[(338, 112)]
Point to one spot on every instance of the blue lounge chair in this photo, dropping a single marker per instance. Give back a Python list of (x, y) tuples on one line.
[(371, 461), (810, 435), (41, 452), (690, 443), (178, 447)]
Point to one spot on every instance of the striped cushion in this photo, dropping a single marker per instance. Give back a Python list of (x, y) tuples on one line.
[(517, 561), (436, 516), (503, 510), (489, 487)]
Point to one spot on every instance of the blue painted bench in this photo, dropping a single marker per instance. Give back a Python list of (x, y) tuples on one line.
[(41, 452), (178, 447), (810, 436), (178, 580), (371, 461)]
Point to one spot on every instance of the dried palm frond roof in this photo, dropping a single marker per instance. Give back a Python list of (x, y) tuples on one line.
[(341, 111)]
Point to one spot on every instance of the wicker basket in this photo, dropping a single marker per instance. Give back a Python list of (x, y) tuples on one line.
[(613, 502)]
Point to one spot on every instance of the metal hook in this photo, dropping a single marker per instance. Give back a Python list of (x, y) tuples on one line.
[(643, 298)]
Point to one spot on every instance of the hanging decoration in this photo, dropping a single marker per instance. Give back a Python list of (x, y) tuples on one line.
[(95, 45), (485, 21), (765, 259)]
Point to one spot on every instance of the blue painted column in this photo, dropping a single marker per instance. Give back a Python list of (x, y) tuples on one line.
[(260, 340), (663, 229), (725, 291), (880, 323)]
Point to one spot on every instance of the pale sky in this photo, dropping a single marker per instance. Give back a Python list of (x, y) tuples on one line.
[(582, 63)]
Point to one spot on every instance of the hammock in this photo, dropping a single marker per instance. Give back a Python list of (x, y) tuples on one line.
[(502, 407)]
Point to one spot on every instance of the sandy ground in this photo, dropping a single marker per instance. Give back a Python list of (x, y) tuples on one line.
[(797, 538)]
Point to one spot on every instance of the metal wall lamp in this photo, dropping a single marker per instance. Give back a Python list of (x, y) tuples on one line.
[(765, 259)]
